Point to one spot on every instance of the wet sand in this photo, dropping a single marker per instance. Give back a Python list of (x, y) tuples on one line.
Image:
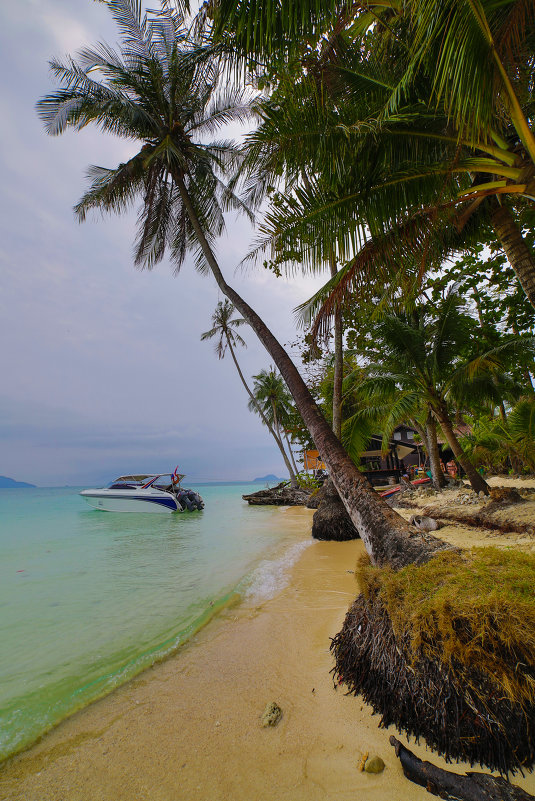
[(189, 729)]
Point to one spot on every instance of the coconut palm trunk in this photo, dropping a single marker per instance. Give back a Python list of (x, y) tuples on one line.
[(290, 451), (434, 457), (516, 249), (338, 364), (477, 482), (387, 537), (276, 437), (428, 436)]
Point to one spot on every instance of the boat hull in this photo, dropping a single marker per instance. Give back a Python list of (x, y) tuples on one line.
[(150, 503)]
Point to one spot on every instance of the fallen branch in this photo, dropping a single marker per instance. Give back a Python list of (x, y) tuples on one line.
[(448, 785), (480, 520)]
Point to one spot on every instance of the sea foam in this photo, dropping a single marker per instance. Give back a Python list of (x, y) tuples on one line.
[(272, 575)]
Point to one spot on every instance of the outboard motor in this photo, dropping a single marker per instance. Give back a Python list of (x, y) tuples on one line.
[(189, 500)]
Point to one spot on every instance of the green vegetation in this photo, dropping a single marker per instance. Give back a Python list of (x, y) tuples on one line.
[(469, 610)]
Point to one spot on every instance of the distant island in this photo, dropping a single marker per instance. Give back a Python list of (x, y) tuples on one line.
[(271, 477), (10, 483)]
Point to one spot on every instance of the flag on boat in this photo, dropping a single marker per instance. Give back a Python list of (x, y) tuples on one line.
[(176, 476)]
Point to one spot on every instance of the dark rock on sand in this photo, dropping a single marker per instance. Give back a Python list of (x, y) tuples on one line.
[(281, 495), (331, 521)]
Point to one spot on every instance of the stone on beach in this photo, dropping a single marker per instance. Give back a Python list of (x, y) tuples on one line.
[(271, 715), (374, 765)]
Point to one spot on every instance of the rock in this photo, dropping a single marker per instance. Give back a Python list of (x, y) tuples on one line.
[(314, 498), (271, 715), (423, 523), (331, 521), (374, 765), (281, 495)]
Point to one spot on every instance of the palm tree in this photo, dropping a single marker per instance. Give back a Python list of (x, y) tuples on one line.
[(159, 92), (427, 366), (273, 402), (364, 124), (394, 168), (223, 328)]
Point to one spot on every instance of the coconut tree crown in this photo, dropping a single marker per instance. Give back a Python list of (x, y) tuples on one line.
[(159, 92), (223, 328)]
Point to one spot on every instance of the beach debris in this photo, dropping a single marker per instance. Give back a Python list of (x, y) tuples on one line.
[(462, 787), (363, 760), (423, 523), (281, 495), (271, 715), (374, 765)]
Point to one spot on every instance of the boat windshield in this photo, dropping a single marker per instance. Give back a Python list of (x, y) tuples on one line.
[(163, 482), (128, 482)]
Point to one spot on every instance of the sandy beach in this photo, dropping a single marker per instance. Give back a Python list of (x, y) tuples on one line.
[(189, 728)]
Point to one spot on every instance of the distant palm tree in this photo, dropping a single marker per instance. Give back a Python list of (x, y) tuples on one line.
[(223, 328), (273, 401), (159, 91)]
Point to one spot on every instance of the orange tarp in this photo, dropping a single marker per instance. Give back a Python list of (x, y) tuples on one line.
[(312, 461)]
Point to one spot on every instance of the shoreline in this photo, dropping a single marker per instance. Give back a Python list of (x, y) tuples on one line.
[(189, 727)]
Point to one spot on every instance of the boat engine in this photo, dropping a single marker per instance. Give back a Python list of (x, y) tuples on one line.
[(190, 500)]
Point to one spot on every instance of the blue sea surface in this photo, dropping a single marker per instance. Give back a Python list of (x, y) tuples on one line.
[(88, 599)]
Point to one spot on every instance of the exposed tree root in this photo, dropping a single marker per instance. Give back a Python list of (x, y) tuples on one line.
[(444, 783), (459, 711)]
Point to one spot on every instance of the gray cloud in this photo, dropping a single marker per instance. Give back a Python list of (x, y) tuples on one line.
[(101, 365)]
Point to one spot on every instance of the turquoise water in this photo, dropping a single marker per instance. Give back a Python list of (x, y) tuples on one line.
[(89, 598)]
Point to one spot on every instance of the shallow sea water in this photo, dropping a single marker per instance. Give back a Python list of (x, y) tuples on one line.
[(88, 599)]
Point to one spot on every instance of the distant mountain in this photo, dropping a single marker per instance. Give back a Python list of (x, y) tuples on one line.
[(9, 483), (271, 477)]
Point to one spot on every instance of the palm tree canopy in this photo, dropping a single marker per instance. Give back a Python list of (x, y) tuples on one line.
[(223, 327), (272, 396), (154, 93), (428, 358)]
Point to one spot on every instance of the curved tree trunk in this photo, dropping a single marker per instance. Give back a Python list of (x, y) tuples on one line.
[(439, 480), (477, 482), (293, 479), (429, 439), (516, 250), (290, 451), (387, 537), (338, 365)]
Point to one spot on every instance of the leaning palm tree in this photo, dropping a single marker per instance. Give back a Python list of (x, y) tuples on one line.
[(159, 92), (224, 328), (273, 401)]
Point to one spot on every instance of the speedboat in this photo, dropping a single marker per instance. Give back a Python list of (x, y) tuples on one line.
[(145, 493)]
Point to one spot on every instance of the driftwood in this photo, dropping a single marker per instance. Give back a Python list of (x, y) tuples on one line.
[(480, 520), (448, 785), (281, 495)]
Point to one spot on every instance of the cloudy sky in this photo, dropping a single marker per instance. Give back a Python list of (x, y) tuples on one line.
[(102, 370)]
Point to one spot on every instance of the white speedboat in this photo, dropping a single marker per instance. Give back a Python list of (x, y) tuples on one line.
[(145, 493)]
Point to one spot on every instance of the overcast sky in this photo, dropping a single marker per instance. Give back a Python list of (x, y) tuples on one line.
[(102, 370)]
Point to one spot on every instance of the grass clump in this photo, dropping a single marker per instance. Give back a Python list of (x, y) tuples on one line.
[(473, 608), (446, 651)]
